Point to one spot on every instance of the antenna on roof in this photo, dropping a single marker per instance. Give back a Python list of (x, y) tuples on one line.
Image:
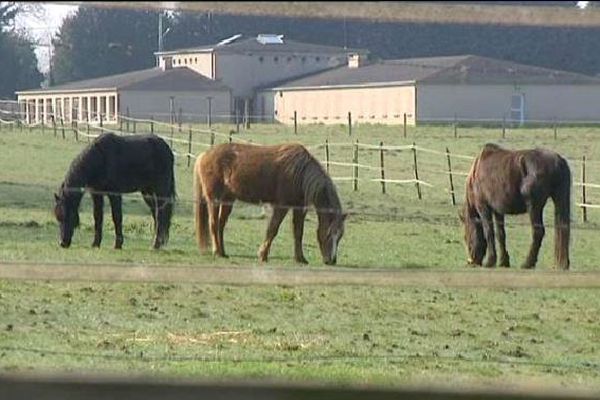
[(229, 40)]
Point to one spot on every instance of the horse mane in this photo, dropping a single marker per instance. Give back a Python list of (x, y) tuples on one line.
[(307, 173)]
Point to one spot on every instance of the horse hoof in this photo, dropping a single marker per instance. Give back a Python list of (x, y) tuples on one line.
[(97, 245), (301, 261)]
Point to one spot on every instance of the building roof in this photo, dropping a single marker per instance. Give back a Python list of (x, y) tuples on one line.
[(237, 44), (153, 79), (465, 69)]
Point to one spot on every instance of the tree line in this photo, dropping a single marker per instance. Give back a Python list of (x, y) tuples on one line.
[(96, 42)]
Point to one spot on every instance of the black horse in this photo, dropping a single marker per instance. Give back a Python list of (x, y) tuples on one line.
[(112, 165)]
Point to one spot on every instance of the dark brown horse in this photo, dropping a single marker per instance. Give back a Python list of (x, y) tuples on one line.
[(286, 176), (113, 165), (515, 182)]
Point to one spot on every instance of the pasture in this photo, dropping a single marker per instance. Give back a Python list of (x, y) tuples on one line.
[(344, 333)]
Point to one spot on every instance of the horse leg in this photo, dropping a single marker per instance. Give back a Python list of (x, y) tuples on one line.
[(98, 201), (278, 214), (536, 216), (504, 258), (299, 216), (488, 232), (223, 216), (150, 201), (117, 216), (213, 225)]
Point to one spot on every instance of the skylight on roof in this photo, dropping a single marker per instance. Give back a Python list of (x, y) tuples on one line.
[(268, 38), (229, 40)]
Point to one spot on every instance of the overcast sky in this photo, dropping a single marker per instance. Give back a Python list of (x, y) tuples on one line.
[(43, 28)]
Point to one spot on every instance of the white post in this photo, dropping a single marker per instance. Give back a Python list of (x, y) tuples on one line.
[(37, 110), (80, 109), (27, 117), (44, 111), (116, 108), (89, 108), (98, 104)]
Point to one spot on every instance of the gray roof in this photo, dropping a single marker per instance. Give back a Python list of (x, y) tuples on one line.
[(466, 69), (252, 45), (178, 79)]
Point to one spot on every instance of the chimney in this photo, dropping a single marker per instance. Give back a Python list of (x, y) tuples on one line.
[(355, 60), (166, 63)]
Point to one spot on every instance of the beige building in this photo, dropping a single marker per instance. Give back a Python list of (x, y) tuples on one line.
[(245, 64), (468, 88), (144, 94)]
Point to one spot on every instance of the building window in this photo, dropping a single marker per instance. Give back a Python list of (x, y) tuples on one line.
[(280, 93), (261, 59), (317, 59), (276, 59), (289, 60), (195, 60), (185, 61), (303, 59)]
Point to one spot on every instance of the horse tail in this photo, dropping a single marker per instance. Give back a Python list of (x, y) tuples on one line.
[(169, 203), (562, 215), (200, 209)]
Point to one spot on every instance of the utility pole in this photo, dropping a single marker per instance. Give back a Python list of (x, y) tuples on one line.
[(160, 31)]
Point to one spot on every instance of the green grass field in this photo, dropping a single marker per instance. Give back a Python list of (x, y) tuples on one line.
[(341, 333)]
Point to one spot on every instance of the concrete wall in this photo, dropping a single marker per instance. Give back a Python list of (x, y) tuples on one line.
[(199, 62), (146, 104), (385, 105), (542, 102), (244, 72)]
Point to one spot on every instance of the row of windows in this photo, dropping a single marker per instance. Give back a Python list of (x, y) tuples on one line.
[(186, 61)]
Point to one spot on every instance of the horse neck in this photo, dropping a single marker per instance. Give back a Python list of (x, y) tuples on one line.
[(79, 171), (320, 191)]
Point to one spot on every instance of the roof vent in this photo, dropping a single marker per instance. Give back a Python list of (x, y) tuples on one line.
[(355, 60), (269, 38), (229, 40)]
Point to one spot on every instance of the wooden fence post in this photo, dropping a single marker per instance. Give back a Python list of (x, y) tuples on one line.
[(88, 128), (414, 149), (189, 157), (75, 130), (503, 126), (126, 121), (453, 197), (230, 139), (455, 128), (62, 127), (382, 167), (209, 115), (53, 125), (152, 124), (404, 125), (43, 126), (101, 123), (583, 194), (247, 112), (355, 168), (555, 130), (179, 119), (134, 126), (349, 123), (327, 155), (212, 138), (295, 123)]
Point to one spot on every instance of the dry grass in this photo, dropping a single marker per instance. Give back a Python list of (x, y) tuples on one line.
[(385, 12)]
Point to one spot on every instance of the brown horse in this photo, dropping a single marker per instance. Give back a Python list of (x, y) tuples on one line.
[(286, 176), (515, 182)]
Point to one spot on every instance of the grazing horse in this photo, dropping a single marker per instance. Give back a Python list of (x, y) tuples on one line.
[(515, 182), (286, 176), (113, 165)]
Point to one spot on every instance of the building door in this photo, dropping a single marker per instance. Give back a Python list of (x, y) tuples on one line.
[(517, 108)]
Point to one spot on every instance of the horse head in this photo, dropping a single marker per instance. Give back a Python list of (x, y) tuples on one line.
[(473, 235), (66, 211), (329, 234)]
